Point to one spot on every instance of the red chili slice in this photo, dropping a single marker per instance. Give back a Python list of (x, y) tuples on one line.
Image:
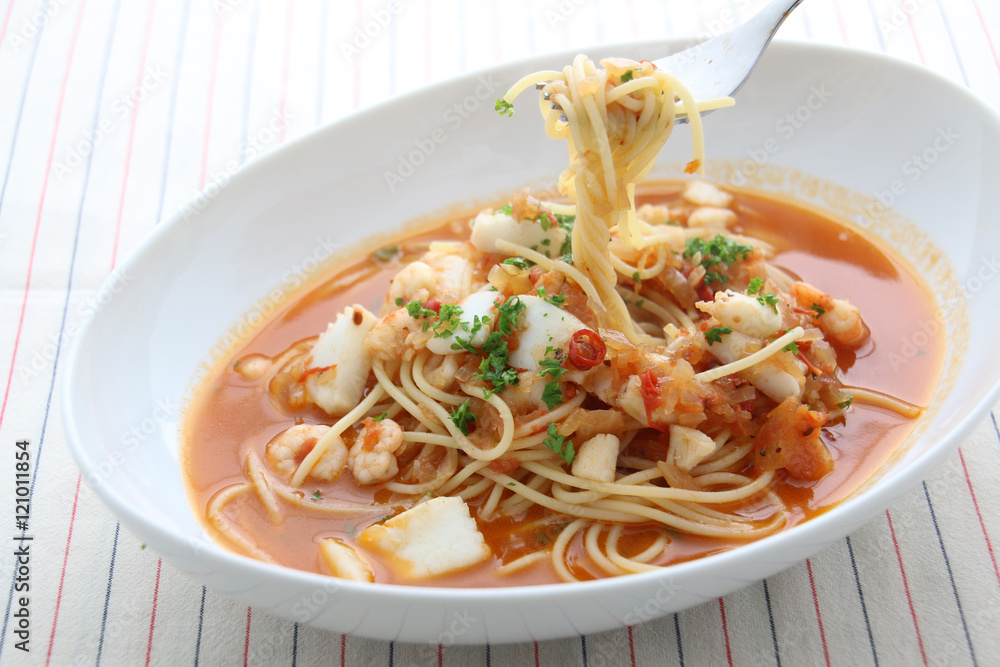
[(651, 398), (586, 349), (434, 304)]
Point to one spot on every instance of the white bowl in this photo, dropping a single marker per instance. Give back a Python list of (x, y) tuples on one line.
[(857, 120)]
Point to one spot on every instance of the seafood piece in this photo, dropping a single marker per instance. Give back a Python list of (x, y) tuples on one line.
[(372, 457), (743, 313), (339, 364), (597, 458), (431, 538), (287, 450)]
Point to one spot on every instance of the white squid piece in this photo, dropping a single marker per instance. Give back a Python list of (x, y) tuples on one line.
[(743, 313), (488, 228), (343, 561), (431, 538), (542, 325), (339, 351), (597, 458), (481, 305), (778, 376), (689, 447), (703, 193)]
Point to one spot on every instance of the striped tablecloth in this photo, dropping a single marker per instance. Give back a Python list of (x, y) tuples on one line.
[(113, 114)]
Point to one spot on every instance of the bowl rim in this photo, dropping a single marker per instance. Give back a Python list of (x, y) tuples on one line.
[(862, 506)]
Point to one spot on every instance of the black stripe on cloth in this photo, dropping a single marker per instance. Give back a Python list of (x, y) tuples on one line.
[(69, 282), (951, 578), (770, 620), (107, 596), (861, 598), (680, 647)]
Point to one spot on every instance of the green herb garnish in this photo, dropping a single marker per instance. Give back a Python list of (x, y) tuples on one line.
[(558, 444), (504, 107), (715, 334), (552, 395), (461, 417)]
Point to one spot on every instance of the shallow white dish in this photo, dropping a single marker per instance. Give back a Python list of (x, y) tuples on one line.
[(871, 126)]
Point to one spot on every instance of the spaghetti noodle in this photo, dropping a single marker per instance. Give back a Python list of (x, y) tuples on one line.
[(606, 376)]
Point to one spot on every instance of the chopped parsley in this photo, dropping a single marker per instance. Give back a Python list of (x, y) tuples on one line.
[(519, 262), (715, 334), (493, 368), (566, 250), (559, 444), (461, 417), (507, 209), (417, 311), (817, 309), (504, 107), (386, 254), (555, 299), (843, 405), (765, 298), (551, 367), (380, 417), (792, 347), (450, 322), (721, 250), (627, 76), (768, 299), (552, 395), (715, 277), (317, 496)]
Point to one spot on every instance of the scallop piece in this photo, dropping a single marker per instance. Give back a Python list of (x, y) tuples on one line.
[(346, 362), (429, 539)]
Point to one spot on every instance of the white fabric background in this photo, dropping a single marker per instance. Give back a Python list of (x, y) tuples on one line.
[(114, 114)]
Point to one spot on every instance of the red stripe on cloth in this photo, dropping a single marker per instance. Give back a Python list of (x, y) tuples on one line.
[(343, 649), (62, 576), (843, 36), (536, 654), (979, 515), (916, 39), (631, 647), (213, 69), (440, 655), (6, 20), (906, 588), (246, 642), (819, 616), (41, 205), (725, 632), (131, 133), (987, 32), (289, 20), (152, 616)]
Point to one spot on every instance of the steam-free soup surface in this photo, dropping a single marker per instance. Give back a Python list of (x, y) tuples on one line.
[(231, 415)]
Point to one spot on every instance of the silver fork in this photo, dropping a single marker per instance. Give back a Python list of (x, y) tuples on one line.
[(719, 67)]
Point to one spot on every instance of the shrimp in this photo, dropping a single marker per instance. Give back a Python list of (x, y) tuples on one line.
[(837, 318), (372, 457), (287, 450)]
